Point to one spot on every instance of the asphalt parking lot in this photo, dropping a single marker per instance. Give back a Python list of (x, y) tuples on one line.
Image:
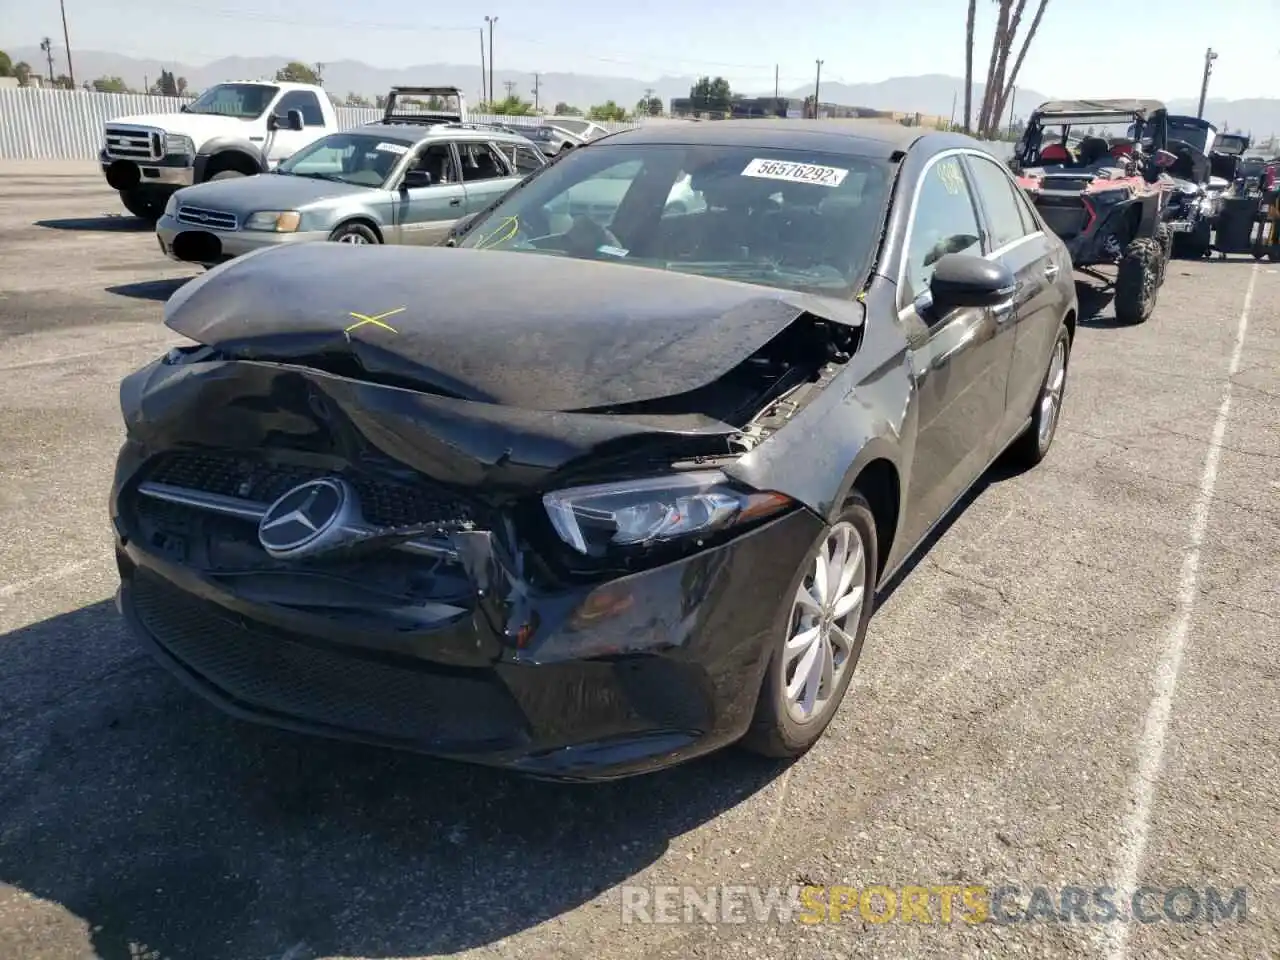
[(1015, 719)]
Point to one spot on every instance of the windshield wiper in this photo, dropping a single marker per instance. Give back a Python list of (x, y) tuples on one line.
[(314, 176)]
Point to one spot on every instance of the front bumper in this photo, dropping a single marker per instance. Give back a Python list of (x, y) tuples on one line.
[(171, 172), (207, 247), (693, 639)]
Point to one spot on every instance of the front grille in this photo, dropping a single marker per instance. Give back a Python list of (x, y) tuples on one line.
[(134, 143), (272, 672), (383, 503), (212, 219)]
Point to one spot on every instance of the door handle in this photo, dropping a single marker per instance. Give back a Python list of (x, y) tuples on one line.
[(1051, 271), (455, 202)]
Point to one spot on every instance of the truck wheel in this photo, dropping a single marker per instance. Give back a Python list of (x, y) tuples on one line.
[(226, 175), (1138, 281), (354, 233), (144, 204)]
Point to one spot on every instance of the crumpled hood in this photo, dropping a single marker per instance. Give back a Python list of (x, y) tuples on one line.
[(539, 332), (267, 191), (200, 127)]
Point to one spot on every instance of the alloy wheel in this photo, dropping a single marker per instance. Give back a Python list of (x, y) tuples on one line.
[(1051, 397), (352, 238), (823, 625)]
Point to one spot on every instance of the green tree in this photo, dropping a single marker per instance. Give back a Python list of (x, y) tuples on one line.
[(181, 86), (6, 65), (22, 70), (564, 110), (607, 111), (711, 96), (512, 106), (110, 85), (63, 82), (166, 86), (297, 72), (649, 106)]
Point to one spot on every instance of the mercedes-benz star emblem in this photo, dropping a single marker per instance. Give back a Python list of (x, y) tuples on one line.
[(307, 518)]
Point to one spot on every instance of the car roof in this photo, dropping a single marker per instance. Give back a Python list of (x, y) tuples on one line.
[(874, 139), (444, 131), (1089, 108)]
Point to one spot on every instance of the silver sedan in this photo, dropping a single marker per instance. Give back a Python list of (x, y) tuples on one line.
[(385, 183)]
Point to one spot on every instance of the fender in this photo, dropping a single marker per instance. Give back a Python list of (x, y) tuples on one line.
[(221, 145)]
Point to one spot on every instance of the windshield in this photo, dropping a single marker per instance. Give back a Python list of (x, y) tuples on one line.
[(362, 159), (244, 101), (800, 220), (1192, 133)]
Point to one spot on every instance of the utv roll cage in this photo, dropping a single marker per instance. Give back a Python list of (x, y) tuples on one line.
[(1053, 123), (415, 113)]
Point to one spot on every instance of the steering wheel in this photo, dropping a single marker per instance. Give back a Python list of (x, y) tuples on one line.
[(585, 237)]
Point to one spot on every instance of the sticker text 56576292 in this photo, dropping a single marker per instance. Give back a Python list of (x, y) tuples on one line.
[(795, 172)]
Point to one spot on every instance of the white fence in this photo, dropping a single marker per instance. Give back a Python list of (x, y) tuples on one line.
[(42, 124)]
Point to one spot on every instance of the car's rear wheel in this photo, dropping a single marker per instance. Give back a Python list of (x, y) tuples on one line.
[(820, 628), (1030, 448), (357, 233), (227, 175)]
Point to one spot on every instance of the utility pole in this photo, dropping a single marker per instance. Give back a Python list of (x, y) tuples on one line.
[(952, 122), (511, 87), (535, 93), (47, 46), (491, 21), (319, 74), (775, 84), (1209, 57), (66, 39), (817, 88), (1013, 96), (484, 80)]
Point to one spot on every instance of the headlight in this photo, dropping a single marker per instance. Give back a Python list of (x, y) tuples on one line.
[(598, 520), (171, 208), (177, 143), (276, 221)]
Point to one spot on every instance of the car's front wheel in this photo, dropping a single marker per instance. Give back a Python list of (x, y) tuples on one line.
[(357, 233), (1030, 448), (820, 632), (146, 205)]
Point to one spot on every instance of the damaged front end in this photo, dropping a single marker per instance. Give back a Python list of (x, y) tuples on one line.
[(576, 593)]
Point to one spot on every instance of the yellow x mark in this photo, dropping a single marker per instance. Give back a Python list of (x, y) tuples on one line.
[(361, 320)]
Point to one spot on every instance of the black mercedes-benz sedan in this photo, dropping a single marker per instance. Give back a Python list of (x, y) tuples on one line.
[(614, 482)]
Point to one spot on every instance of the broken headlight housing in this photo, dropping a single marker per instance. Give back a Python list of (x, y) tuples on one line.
[(601, 520)]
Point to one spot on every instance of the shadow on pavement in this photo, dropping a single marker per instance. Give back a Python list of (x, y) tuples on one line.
[(159, 290), (172, 831), (110, 223), (1095, 296)]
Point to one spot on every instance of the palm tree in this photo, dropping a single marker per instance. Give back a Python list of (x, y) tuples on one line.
[(968, 65), (1017, 63)]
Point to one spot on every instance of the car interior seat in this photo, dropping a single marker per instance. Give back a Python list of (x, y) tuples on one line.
[(1092, 150), (479, 164), (432, 161), (1055, 153)]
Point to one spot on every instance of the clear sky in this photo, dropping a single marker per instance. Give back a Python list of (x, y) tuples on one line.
[(1083, 47)]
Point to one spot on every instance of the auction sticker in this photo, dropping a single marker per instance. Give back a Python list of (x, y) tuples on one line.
[(392, 148), (795, 172)]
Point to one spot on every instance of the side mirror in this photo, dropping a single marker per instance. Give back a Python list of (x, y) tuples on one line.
[(294, 120), (567, 145), (416, 178), (963, 280)]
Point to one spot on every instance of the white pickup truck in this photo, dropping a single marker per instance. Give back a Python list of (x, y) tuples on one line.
[(231, 130)]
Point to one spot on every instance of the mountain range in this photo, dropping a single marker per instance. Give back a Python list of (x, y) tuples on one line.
[(930, 94)]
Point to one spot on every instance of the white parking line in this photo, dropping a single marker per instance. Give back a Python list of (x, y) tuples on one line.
[(1133, 836)]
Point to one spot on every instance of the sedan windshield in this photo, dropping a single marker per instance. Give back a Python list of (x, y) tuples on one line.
[(362, 159), (244, 101), (794, 219)]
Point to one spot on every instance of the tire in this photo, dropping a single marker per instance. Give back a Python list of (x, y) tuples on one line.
[(1164, 236), (144, 204), (356, 233), (226, 175), (1138, 281), (1033, 445), (779, 728)]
